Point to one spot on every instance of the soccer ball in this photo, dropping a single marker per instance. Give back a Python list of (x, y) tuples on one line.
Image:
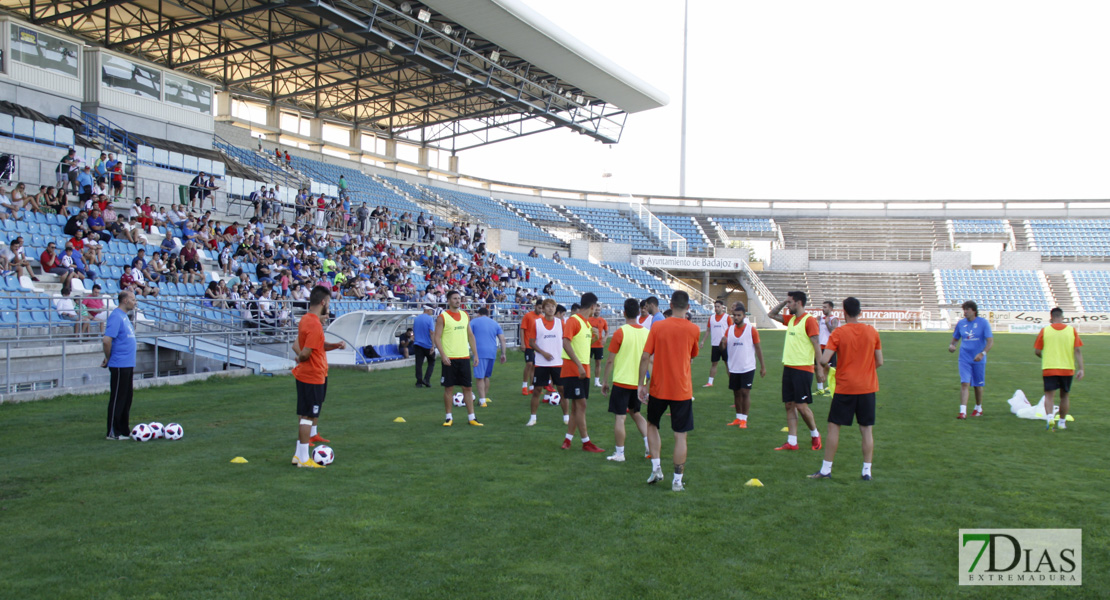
[(323, 455), (554, 399), (157, 429), (142, 433), (458, 399), (174, 431)]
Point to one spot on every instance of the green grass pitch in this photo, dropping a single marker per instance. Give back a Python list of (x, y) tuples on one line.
[(416, 510)]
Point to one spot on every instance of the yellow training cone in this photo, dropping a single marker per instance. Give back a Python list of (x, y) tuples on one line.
[(785, 430), (399, 420), (239, 460), (754, 483)]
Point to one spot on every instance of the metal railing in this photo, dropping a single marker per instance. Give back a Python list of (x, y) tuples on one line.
[(765, 296), (861, 253), (671, 239)]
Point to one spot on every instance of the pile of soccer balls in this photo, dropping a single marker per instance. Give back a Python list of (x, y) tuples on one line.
[(144, 432)]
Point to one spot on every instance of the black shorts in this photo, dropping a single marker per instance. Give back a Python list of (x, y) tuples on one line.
[(682, 413), (542, 375), (797, 386), (458, 373), (576, 388), (846, 406), (310, 397), (741, 381), (832, 361), (717, 355), (529, 355), (1057, 382), (597, 353), (623, 400)]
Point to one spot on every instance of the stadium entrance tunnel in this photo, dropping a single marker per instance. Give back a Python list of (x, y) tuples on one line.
[(375, 328)]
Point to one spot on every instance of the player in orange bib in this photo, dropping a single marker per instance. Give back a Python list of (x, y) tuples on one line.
[(311, 373), (597, 345)]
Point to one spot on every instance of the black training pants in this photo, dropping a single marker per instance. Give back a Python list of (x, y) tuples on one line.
[(421, 354), (119, 401)]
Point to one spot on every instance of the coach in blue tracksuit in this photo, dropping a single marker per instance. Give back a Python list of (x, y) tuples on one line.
[(423, 349), (119, 358), (487, 336), (974, 338)]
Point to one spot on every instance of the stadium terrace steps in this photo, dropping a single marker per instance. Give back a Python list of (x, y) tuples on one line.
[(865, 239), (875, 291), (1062, 292), (1022, 235)]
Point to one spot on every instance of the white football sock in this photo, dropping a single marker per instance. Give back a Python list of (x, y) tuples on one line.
[(586, 439), (820, 386), (619, 450), (566, 419), (979, 407), (678, 477), (792, 440), (570, 437), (866, 468), (448, 417), (710, 381), (302, 452), (531, 387), (647, 448), (471, 417), (523, 385), (742, 416), (826, 467), (532, 419), (813, 433), (313, 430), (1062, 424), (597, 381), (655, 464), (963, 409)]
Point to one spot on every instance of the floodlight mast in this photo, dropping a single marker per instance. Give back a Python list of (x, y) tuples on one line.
[(682, 134)]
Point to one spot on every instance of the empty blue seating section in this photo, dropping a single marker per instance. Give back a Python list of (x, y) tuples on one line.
[(744, 224), (974, 226), (569, 285), (1074, 237), (495, 215), (1093, 288), (535, 211), (409, 188), (995, 290), (361, 187), (618, 228), (250, 159), (687, 227)]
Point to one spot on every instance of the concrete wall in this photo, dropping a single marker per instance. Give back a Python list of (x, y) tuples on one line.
[(870, 266), (1020, 260), (580, 249), (789, 260), (50, 104), (1060, 267), (614, 252), (950, 259), (145, 126)]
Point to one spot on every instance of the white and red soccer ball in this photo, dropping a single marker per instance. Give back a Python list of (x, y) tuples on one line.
[(458, 399), (323, 455), (554, 399)]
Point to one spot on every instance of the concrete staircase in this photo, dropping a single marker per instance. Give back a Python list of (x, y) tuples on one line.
[(1061, 292)]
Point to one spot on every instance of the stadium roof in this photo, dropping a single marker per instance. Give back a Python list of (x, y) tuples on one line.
[(455, 74)]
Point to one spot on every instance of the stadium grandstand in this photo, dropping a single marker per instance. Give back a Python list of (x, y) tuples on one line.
[(223, 157)]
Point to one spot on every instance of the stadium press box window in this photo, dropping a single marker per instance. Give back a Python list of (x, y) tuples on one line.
[(128, 77), (43, 51), (188, 94)]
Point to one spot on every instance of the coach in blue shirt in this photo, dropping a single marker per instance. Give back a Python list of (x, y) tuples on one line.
[(487, 335), (973, 336), (422, 327), (119, 358)]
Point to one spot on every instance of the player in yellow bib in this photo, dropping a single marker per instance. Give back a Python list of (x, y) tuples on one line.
[(799, 361), (455, 342), (1058, 345), (622, 368)]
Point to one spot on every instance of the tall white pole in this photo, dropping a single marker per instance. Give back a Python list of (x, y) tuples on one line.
[(682, 141)]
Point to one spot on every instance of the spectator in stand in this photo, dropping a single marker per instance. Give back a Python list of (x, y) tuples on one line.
[(156, 270), (161, 218), (209, 192), (288, 160), (533, 253), (76, 223), (89, 253), (55, 201), (22, 200), (168, 244), (72, 258), (192, 271), (321, 211), (67, 310), (17, 259), (7, 209), (100, 168), (255, 199), (85, 183), (143, 284), (68, 162), (116, 173), (96, 225), (50, 263), (94, 305), (188, 231), (196, 191), (178, 217)]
